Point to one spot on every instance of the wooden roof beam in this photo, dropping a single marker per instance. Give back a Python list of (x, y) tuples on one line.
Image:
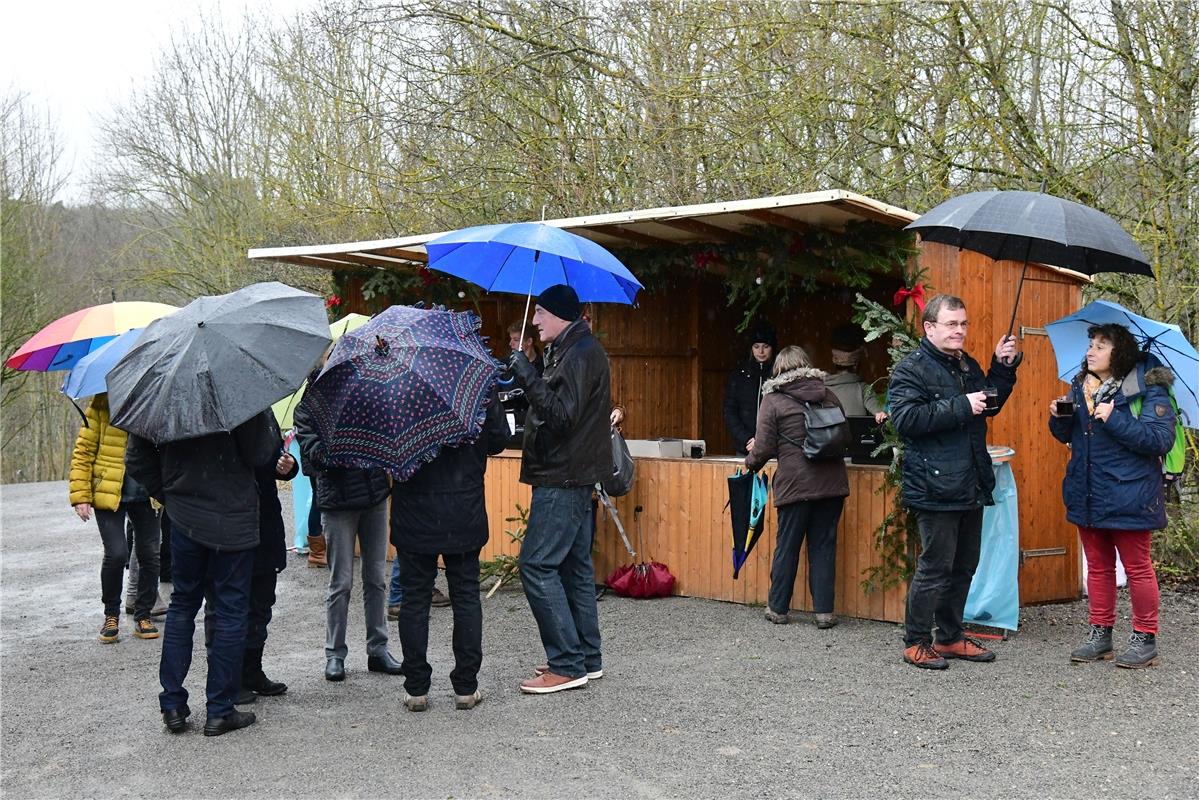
[(777, 219), (415, 256), (630, 235), (707, 230), (309, 261), (863, 210)]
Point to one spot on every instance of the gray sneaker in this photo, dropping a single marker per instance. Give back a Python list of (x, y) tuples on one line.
[(1141, 652), (1097, 647), (776, 617)]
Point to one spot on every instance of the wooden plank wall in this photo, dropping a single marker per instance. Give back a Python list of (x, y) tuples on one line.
[(989, 290), (684, 525)]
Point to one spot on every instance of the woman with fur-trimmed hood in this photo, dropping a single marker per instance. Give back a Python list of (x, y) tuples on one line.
[(809, 494), (1121, 427)]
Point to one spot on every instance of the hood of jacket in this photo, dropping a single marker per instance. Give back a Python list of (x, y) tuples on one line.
[(805, 384)]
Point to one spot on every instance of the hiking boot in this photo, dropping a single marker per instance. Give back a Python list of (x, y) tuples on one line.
[(776, 617), (144, 629), (550, 682), (254, 679), (1097, 647), (922, 655), (416, 703), (1141, 652), (966, 649), (592, 675), (316, 552), (465, 702), (216, 726), (393, 612), (826, 621), (439, 599), (111, 630)]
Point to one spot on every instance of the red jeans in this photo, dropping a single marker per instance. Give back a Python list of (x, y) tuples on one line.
[(1100, 546)]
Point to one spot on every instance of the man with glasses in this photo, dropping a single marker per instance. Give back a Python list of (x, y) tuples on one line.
[(939, 400)]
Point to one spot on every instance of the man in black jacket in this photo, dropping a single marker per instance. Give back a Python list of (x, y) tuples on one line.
[(939, 405), (207, 485), (567, 450)]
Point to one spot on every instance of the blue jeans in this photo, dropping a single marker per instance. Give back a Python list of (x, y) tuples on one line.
[(228, 575), (559, 579), (395, 594)]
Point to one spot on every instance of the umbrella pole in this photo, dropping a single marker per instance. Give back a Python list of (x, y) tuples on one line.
[(1019, 289), (524, 321)]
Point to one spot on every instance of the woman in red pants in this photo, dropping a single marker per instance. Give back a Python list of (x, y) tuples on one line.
[(1121, 426)]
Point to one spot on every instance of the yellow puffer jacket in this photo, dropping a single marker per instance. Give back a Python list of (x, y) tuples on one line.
[(98, 461)]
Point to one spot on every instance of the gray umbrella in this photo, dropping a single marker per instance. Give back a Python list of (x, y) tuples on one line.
[(1033, 226), (217, 362)]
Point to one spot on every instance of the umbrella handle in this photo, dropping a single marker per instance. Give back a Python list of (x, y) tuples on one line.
[(524, 321), (1019, 289)]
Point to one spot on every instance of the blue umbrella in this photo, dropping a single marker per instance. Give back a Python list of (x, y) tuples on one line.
[(89, 375), (529, 257), (1069, 339)]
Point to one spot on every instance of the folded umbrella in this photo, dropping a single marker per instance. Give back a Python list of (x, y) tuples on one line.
[(640, 579), (748, 493), (67, 339), (398, 388), (217, 362), (1166, 342)]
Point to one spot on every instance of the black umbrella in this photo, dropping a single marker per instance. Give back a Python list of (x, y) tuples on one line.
[(1037, 227), (217, 362)]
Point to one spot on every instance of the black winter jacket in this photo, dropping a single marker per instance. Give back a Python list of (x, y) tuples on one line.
[(567, 440), (337, 488), (742, 395), (945, 462), (208, 484), (441, 509), (271, 555)]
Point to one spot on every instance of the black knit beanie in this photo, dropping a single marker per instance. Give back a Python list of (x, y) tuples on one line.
[(763, 332), (561, 301)]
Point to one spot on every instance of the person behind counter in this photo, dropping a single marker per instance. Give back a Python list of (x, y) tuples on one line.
[(808, 493), (855, 395), (743, 392)]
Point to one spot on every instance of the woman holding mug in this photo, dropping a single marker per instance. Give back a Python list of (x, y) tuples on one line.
[(1119, 422)]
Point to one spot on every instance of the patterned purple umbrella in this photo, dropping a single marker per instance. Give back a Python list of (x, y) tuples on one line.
[(401, 386)]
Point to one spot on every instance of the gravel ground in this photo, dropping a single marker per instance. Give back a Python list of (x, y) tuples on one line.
[(700, 699)]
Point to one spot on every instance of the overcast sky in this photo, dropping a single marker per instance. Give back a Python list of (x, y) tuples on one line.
[(77, 59)]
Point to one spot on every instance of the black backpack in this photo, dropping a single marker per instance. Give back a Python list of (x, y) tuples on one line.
[(827, 434)]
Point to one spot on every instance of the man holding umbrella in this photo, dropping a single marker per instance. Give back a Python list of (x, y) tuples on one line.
[(940, 400), (567, 450)]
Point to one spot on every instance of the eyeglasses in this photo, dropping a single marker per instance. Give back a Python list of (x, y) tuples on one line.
[(953, 326)]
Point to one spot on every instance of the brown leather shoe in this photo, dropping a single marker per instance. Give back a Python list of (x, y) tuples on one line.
[(316, 552), (922, 655), (592, 674), (439, 599), (549, 682), (966, 649)]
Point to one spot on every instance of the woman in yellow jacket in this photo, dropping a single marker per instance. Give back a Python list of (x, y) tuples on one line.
[(98, 483)]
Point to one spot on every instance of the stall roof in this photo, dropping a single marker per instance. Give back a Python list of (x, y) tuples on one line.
[(651, 227)]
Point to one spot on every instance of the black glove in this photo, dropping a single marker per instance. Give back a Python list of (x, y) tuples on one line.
[(519, 365)]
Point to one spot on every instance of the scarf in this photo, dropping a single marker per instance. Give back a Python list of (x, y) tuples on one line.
[(1095, 391)]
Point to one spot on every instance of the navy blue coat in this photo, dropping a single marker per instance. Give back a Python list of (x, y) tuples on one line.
[(1114, 478), (946, 466)]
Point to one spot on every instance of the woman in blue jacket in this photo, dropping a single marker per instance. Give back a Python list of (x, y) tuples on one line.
[(1121, 427)]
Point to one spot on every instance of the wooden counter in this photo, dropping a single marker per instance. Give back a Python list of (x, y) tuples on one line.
[(686, 526)]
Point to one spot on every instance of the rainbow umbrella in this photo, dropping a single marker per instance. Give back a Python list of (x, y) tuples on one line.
[(59, 345), (285, 408)]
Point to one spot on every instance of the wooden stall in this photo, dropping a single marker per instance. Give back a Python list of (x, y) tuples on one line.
[(671, 353)]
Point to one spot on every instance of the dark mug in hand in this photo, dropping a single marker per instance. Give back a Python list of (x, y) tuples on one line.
[(1065, 408), (992, 397)]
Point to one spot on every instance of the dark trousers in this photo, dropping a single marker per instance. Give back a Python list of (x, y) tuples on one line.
[(559, 578), (116, 553), (417, 572), (228, 574), (258, 616), (315, 528), (164, 550), (817, 519), (937, 594)]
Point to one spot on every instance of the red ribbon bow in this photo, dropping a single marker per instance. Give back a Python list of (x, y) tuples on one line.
[(916, 293)]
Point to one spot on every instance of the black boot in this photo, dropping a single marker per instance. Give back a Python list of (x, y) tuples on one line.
[(1141, 652), (254, 679), (1098, 645)]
